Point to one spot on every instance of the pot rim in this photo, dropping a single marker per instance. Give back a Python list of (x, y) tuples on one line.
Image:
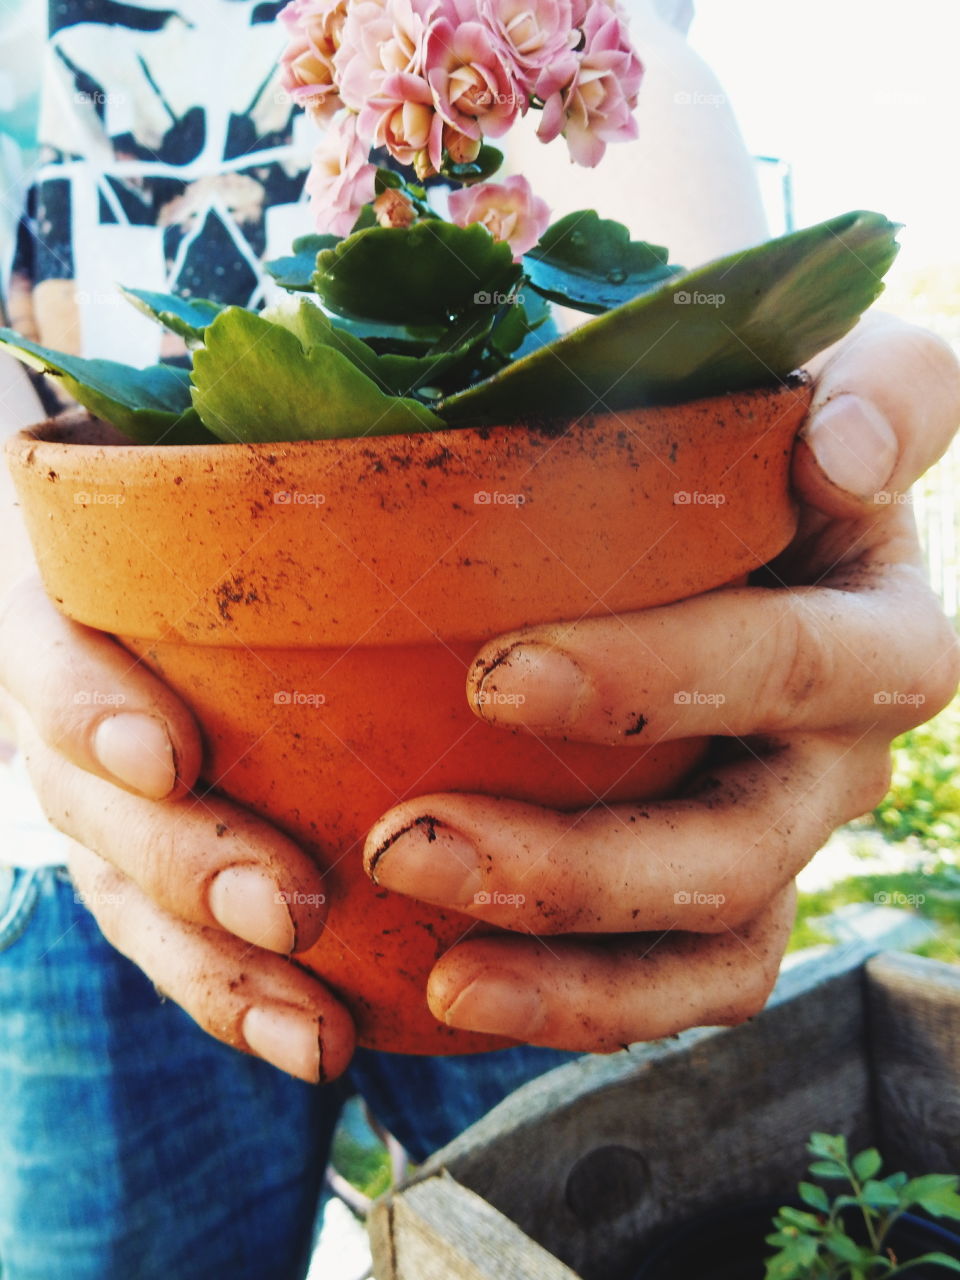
[(55, 432)]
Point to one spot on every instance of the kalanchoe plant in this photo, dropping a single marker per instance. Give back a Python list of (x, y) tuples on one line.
[(403, 320), (814, 1243)]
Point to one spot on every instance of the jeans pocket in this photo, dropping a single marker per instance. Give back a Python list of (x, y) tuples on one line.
[(19, 893)]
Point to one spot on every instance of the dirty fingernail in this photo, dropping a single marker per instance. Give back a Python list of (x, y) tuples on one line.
[(137, 750), (429, 861), (499, 1005), (854, 445), (287, 1038), (533, 685), (246, 902)]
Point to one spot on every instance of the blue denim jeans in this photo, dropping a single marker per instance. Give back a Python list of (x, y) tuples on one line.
[(133, 1146)]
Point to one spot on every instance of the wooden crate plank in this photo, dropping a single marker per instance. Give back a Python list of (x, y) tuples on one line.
[(438, 1230), (594, 1158), (913, 1011)]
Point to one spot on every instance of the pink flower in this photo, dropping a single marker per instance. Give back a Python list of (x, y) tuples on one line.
[(341, 180), (401, 117), (509, 210), (378, 40), (474, 88), (532, 33), (589, 96), (306, 67)]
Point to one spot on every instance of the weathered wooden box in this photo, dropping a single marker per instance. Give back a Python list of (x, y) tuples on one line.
[(575, 1173)]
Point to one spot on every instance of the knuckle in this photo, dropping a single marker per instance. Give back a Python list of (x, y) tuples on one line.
[(801, 664)]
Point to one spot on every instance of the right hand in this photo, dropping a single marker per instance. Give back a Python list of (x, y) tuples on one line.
[(208, 900)]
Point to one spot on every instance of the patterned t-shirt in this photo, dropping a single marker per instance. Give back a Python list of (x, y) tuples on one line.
[(169, 158)]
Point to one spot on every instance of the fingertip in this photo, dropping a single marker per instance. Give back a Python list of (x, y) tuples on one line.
[(845, 455)]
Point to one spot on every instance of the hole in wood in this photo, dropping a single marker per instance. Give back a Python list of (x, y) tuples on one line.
[(606, 1184)]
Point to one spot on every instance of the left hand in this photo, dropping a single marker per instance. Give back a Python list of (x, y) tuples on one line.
[(690, 901)]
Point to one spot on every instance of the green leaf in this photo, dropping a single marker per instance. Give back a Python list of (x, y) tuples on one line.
[(295, 271), (879, 1195), (419, 275), (591, 263), (832, 1146), (782, 303), (395, 374), (936, 1259), (782, 1267), (934, 1192), (814, 1196), (798, 1218), (253, 381), (187, 317), (151, 406), (867, 1163), (827, 1169), (847, 1250), (485, 166)]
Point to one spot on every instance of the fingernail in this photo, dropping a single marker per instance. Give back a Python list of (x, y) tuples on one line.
[(288, 1039), (854, 445), (532, 685), (429, 861), (498, 1004), (137, 750), (246, 902)]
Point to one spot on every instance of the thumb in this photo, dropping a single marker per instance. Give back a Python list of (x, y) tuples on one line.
[(886, 405)]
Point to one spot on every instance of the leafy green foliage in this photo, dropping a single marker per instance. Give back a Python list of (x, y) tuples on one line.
[(485, 166), (187, 317), (818, 1245), (416, 275), (257, 381), (295, 271), (151, 406), (591, 263), (924, 795), (431, 323), (744, 321)]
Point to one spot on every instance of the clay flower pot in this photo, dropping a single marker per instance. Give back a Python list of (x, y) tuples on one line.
[(317, 605)]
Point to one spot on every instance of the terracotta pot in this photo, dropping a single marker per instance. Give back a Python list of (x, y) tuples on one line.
[(317, 605)]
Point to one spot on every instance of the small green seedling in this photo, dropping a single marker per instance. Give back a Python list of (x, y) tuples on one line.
[(816, 1245)]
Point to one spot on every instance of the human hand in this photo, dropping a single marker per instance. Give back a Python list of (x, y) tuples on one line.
[(207, 899), (690, 900)]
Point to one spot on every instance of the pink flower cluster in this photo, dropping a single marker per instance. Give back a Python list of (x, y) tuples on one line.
[(430, 79)]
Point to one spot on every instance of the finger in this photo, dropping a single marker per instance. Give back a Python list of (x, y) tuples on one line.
[(248, 998), (706, 862), (885, 407), (93, 701), (205, 860), (744, 660), (603, 996)]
